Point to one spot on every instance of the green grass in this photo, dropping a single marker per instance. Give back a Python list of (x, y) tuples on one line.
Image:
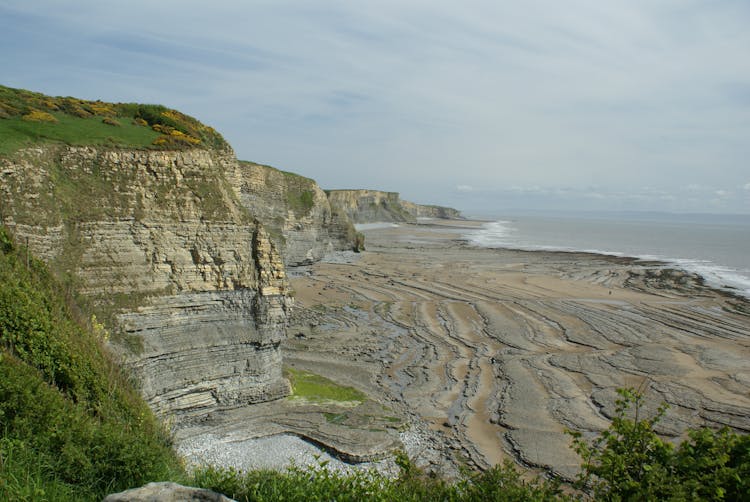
[(301, 202), (18, 133), (317, 389), (71, 425)]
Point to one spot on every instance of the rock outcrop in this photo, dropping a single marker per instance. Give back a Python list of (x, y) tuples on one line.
[(297, 213), (160, 244), (167, 492), (366, 206)]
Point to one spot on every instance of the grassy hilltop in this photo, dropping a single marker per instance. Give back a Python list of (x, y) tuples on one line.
[(28, 118)]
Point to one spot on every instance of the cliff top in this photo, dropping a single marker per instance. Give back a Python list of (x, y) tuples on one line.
[(28, 118)]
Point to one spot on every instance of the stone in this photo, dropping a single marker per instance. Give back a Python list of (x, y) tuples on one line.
[(167, 492)]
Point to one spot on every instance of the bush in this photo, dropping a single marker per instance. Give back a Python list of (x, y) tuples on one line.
[(628, 461), (110, 121), (39, 116)]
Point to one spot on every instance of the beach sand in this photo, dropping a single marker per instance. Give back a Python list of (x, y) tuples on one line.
[(488, 354)]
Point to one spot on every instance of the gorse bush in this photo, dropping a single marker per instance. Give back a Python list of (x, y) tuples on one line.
[(71, 426)]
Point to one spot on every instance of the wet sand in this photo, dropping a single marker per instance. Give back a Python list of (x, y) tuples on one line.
[(493, 354)]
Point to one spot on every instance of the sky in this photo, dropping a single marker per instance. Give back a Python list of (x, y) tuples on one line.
[(617, 105)]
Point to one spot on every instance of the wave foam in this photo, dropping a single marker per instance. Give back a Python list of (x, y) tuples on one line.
[(503, 234)]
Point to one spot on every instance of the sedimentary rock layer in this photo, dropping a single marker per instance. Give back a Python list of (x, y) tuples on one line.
[(160, 244), (364, 206), (296, 211), (501, 351)]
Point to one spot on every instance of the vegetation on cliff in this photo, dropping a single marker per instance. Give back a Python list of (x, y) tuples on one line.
[(28, 118), (71, 425)]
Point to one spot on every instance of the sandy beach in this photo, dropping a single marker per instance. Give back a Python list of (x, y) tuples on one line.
[(488, 354)]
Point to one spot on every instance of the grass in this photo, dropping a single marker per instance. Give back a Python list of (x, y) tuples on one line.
[(29, 118), (17, 133), (317, 389), (500, 483), (301, 202)]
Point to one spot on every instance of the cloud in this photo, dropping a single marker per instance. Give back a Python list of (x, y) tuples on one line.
[(390, 94)]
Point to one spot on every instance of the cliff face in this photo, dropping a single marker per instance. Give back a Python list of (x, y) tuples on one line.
[(296, 212), (160, 244), (431, 211), (365, 206)]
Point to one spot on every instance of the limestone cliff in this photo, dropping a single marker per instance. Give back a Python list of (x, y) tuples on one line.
[(160, 244), (297, 213), (365, 206), (432, 211)]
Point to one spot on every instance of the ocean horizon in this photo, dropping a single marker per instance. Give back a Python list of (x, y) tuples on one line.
[(715, 246)]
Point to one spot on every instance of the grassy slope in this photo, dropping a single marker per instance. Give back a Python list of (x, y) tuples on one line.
[(71, 426), (29, 118)]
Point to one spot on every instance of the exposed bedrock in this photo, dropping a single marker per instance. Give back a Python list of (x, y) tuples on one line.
[(365, 206), (501, 351), (158, 241), (302, 222)]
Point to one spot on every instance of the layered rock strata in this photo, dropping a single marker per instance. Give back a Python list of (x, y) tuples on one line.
[(501, 351), (365, 206), (301, 220), (161, 246)]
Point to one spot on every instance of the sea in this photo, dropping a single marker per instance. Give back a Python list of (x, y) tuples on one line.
[(715, 246)]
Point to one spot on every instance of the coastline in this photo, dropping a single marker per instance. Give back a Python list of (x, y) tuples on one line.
[(721, 269), (491, 354)]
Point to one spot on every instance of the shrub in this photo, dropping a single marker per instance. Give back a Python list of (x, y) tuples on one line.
[(39, 116), (628, 461), (111, 121)]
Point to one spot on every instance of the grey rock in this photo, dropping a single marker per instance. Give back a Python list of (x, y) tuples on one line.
[(188, 281), (167, 492), (303, 224)]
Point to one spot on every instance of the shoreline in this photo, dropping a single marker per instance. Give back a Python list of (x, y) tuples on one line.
[(490, 354), (723, 275)]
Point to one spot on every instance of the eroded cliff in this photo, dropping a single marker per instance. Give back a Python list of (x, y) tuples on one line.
[(297, 213), (160, 244), (365, 206)]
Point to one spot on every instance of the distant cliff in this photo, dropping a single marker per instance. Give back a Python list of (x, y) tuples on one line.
[(364, 206), (297, 213)]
